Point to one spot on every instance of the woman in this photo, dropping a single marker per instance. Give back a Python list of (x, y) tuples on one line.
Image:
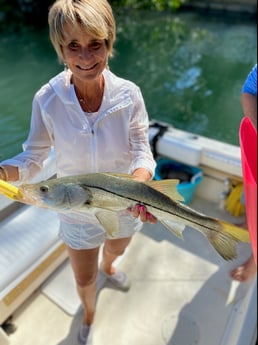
[(95, 122)]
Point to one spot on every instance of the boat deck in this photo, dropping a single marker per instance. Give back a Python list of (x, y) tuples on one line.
[(181, 294)]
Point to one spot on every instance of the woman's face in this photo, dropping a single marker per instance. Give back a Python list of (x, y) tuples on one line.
[(85, 56)]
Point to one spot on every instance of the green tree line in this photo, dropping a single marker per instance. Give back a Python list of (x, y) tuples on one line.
[(14, 13), (159, 5)]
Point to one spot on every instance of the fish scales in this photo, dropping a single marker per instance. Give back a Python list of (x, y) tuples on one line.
[(111, 192), (141, 193)]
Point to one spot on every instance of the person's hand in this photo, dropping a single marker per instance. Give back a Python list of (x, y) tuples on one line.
[(9, 173), (3, 174), (141, 211), (142, 175)]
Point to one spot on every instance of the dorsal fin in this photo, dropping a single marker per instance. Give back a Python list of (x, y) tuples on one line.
[(167, 187)]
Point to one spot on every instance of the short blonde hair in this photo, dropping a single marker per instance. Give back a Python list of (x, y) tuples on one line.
[(95, 17)]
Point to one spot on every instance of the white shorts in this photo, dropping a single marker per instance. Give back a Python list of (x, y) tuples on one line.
[(91, 235)]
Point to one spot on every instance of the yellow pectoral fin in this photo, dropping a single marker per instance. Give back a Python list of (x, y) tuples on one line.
[(167, 187), (9, 190)]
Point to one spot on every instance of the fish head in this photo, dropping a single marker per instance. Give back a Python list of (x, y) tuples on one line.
[(54, 195)]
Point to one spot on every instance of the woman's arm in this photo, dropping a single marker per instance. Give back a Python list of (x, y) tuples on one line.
[(28, 163)]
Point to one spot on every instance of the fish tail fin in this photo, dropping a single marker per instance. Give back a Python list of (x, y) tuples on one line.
[(225, 241), (238, 233), (224, 244)]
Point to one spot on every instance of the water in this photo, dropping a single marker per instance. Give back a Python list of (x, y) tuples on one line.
[(190, 69)]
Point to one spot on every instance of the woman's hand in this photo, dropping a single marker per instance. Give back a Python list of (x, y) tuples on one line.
[(141, 211), (141, 175), (9, 173)]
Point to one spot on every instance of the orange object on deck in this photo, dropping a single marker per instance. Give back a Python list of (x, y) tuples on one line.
[(248, 145)]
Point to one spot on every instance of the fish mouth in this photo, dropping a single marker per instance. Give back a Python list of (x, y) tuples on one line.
[(26, 197), (16, 194)]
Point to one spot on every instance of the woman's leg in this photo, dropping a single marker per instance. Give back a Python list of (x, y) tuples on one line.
[(85, 267), (111, 250)]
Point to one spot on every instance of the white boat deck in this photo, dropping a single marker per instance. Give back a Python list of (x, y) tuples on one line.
[(181, 291), (181, 294)]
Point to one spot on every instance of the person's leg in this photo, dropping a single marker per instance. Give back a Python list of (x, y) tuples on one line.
[(246, 271), (111, 250), (85, 267)]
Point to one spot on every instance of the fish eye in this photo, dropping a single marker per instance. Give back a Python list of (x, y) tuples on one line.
[(44, 189)]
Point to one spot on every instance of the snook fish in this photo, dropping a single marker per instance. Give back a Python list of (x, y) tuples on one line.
[(108, 193)]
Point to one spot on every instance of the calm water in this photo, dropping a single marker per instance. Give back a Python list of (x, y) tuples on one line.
[(190, 68)]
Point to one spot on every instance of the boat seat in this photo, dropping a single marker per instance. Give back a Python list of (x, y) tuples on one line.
[(30, 251)]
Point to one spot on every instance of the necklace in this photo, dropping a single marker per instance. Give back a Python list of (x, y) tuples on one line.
[(90, 102), (93, 104)]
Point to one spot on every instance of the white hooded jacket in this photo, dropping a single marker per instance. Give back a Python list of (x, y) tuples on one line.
[(117, 142)]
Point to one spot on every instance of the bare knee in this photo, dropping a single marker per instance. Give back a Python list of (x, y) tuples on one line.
[(113, 251), (116, 247), (86, 279), (85, 265)]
